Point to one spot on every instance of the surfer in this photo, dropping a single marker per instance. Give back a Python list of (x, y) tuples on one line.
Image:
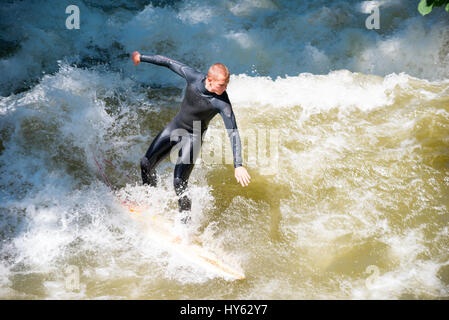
[(205, 97)]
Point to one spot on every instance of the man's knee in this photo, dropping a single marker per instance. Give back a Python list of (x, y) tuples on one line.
[(144, 163)]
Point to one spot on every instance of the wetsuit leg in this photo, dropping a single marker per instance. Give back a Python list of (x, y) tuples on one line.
[(158, 150), (186, 160)]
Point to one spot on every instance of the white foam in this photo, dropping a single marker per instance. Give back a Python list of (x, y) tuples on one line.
[(276, 38)]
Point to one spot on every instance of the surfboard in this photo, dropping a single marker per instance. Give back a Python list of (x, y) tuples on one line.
[(160, 229)]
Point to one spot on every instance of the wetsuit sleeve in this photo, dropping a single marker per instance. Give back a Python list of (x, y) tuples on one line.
[(183, 70), (225, 110)]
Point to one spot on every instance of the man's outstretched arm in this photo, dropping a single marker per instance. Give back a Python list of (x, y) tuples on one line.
[(183, 70)]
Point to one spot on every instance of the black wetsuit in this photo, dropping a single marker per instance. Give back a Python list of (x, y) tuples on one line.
[(187, 127)]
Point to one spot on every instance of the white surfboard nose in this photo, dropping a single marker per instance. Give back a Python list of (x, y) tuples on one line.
[(161, 230)]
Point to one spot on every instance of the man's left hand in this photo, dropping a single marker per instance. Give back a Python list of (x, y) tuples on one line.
[(242, 176)]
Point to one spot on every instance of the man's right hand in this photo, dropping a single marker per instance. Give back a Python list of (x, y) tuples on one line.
[(136, 57)]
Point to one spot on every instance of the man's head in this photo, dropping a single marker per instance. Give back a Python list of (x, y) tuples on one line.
[(217, 78)]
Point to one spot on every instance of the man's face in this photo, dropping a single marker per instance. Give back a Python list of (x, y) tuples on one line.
[(218, 84)]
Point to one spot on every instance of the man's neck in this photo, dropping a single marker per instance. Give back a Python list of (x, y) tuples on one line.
[(208, 88)]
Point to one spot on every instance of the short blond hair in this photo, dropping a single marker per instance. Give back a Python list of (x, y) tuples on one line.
[(218, 68)]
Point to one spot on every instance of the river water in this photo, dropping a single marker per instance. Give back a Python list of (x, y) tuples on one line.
[(349, 184)]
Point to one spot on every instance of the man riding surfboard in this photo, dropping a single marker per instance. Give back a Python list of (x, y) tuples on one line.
[(204, 98)]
